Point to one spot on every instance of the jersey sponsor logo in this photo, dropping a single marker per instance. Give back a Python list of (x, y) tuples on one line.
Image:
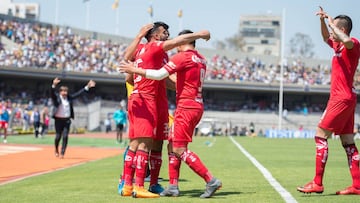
[(197, 59)]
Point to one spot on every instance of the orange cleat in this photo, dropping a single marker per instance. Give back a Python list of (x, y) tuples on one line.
[(141, 192), (126, 191), (311, 187), (349, 191)]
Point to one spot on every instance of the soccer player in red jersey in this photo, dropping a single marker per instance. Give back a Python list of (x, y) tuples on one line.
[(147, 123), (338, 117), (190, 68)]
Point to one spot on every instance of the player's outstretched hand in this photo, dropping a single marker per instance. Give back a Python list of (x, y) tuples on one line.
[(322, 13), (126, 67)]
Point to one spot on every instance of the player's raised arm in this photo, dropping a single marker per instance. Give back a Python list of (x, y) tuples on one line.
[(129, 68), (130, 50), (186, 38)]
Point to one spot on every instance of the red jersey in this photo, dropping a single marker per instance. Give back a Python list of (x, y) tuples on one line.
[(190, 68), (344, 64), (149, 56)]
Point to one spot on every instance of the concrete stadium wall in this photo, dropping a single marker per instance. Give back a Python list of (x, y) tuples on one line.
[(264, 120), (92, 116)]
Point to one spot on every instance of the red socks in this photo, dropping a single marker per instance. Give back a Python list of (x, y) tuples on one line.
[(141, 164), (155, 166), (353, 161), (174, 169), (321, 159), (194, 162), (129, 168)]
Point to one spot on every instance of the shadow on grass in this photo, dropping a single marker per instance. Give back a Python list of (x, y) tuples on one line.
[(198, 192), (166, 180), (318, 195)]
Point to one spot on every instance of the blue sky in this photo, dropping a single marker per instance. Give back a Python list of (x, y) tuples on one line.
[(220, 17)]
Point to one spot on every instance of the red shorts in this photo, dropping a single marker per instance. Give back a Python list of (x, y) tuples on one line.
[(142, 116), (162, 129), (185, 121), (3, 124), (338, 117)]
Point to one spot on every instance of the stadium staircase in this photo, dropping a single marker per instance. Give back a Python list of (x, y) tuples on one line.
[(7, 43)]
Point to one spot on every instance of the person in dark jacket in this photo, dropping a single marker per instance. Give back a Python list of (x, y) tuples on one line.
[(63, 112)]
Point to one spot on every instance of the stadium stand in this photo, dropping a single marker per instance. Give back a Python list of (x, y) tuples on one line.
[(32, 53)]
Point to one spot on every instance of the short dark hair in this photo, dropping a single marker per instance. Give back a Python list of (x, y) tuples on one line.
[(345, 21), (187, 32), (155, 28), (63, 88)]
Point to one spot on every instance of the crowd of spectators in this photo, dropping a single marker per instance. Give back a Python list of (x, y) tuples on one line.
[(20, 114), (58, 48), (254, 70), (52, 47), (37, 45)]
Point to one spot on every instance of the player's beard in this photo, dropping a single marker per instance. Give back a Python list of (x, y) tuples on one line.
[(164, 38)]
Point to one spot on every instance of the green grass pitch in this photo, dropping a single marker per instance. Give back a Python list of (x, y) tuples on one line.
[(290, 161)]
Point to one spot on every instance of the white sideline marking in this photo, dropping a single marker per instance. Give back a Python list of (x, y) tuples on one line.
[(276, 185), (16, 149)]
